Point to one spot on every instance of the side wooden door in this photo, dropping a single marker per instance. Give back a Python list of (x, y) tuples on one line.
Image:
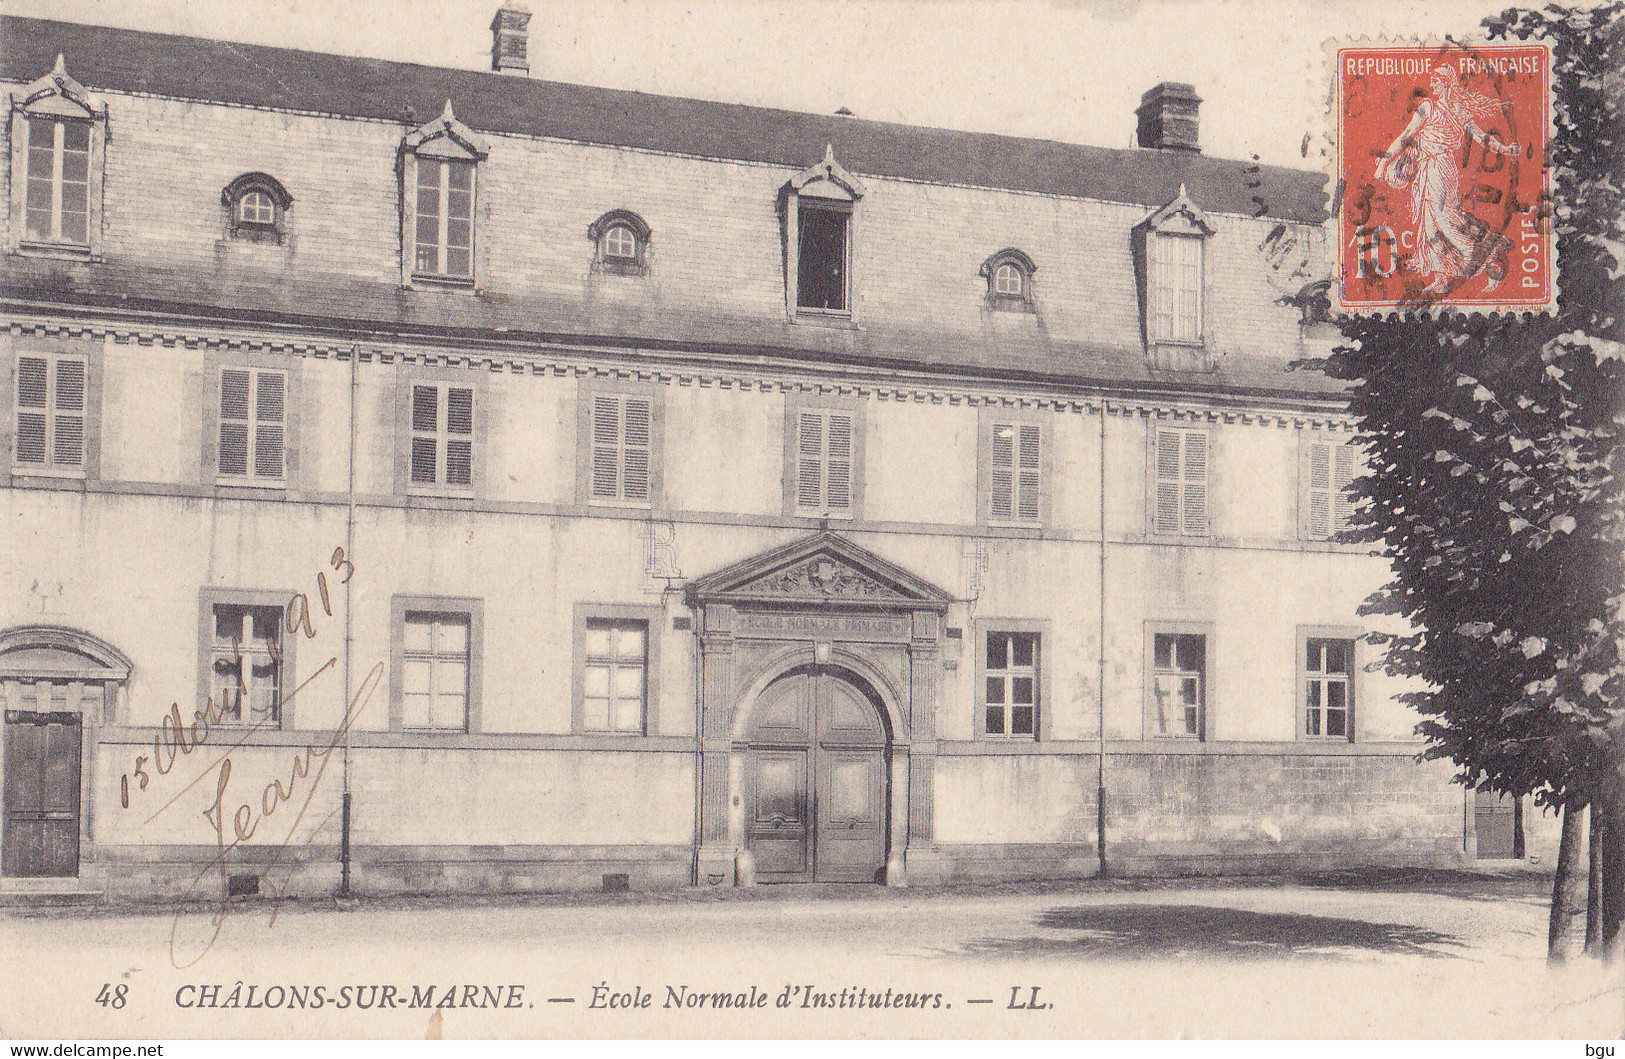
[(41, 795)]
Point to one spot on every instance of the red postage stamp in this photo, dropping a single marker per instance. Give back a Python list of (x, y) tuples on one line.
[(1442, 192)]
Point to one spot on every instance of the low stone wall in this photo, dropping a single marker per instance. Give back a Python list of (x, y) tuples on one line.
[(1205, 809), (1245, 813), (176, 871)]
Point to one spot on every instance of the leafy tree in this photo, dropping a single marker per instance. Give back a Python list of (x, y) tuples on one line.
[(1495, 487)]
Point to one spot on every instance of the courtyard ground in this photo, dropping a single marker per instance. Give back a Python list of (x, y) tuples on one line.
[(1375, 954)]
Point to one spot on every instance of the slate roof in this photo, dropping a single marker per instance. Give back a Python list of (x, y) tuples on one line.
[(125, 60), (119, 60)]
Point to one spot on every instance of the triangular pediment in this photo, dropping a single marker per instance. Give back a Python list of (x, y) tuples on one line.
[(58, 95), (446, 137), (1182, 216), (824, 568)]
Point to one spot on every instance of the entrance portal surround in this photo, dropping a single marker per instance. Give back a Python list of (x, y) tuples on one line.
[(824, 603), (58, 687)]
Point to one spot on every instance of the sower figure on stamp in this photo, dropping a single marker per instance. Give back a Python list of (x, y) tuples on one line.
[(1451, 244)]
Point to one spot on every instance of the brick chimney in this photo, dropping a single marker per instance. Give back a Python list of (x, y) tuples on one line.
[(508, 40), (1168, 117)]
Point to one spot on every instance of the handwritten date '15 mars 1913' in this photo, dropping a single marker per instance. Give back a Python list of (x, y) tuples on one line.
[(295, 787)]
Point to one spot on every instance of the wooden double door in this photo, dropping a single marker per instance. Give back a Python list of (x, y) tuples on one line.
[(41, 798), (816, 790)]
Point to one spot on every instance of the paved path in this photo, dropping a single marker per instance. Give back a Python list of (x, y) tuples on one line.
[(1376, 955)]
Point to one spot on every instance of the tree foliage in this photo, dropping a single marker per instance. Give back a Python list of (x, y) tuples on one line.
[(1496, 469)]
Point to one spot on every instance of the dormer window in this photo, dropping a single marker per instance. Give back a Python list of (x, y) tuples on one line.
[(438, 173), (1009, 275), (444, 240), (58, 181), (620, 239), (56, 173), (256, 208), (821, 285), (619, 243), (1170, 250), (1176, 288), (820, 208), (256, 205)]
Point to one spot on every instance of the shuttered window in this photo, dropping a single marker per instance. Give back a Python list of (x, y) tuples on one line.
[(1328, 472), (824, 446), (621, 438), (1180, 499), (1176, 288), (50, 412), (1015, 472), (442, 435), (253, 415)]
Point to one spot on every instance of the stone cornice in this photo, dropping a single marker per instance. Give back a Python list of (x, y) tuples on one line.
[(709, 371)]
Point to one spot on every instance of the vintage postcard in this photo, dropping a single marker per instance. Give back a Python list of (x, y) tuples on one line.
[(733, 520)]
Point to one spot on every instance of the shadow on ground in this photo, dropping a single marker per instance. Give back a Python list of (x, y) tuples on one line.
[(1513, 883), (1138, 931)]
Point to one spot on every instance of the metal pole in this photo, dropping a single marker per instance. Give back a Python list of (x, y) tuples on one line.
[(1100, 679), (349, 554)]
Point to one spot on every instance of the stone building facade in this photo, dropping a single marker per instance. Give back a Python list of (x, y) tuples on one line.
[(434, 479)]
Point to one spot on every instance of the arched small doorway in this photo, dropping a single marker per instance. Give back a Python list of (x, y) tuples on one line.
[(56, 685), (817, 797)]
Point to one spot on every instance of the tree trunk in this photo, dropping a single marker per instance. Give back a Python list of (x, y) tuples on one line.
[(1594, 883), (1613, 868), (1568, 891)]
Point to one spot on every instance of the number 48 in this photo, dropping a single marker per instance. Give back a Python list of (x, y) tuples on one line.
[(112, 996)]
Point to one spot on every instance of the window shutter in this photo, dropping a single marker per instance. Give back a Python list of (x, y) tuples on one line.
[(459, 435), (32, 375), (1001, 499), (1342, 478), (233, 454), (838, 462), (1028, 473), (1162, 308), (425, 433), (809, 461), (269, 413), (1319, 498), (635, 446), (1195, 485), (606, 444), (1166, 519), (68, 437), (1187, 310)]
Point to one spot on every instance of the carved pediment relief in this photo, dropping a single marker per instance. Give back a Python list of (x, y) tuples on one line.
[(822, 576), (823, 568)]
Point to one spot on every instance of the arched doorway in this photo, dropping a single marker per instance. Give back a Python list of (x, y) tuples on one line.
[(56, 685), (817, 796)]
